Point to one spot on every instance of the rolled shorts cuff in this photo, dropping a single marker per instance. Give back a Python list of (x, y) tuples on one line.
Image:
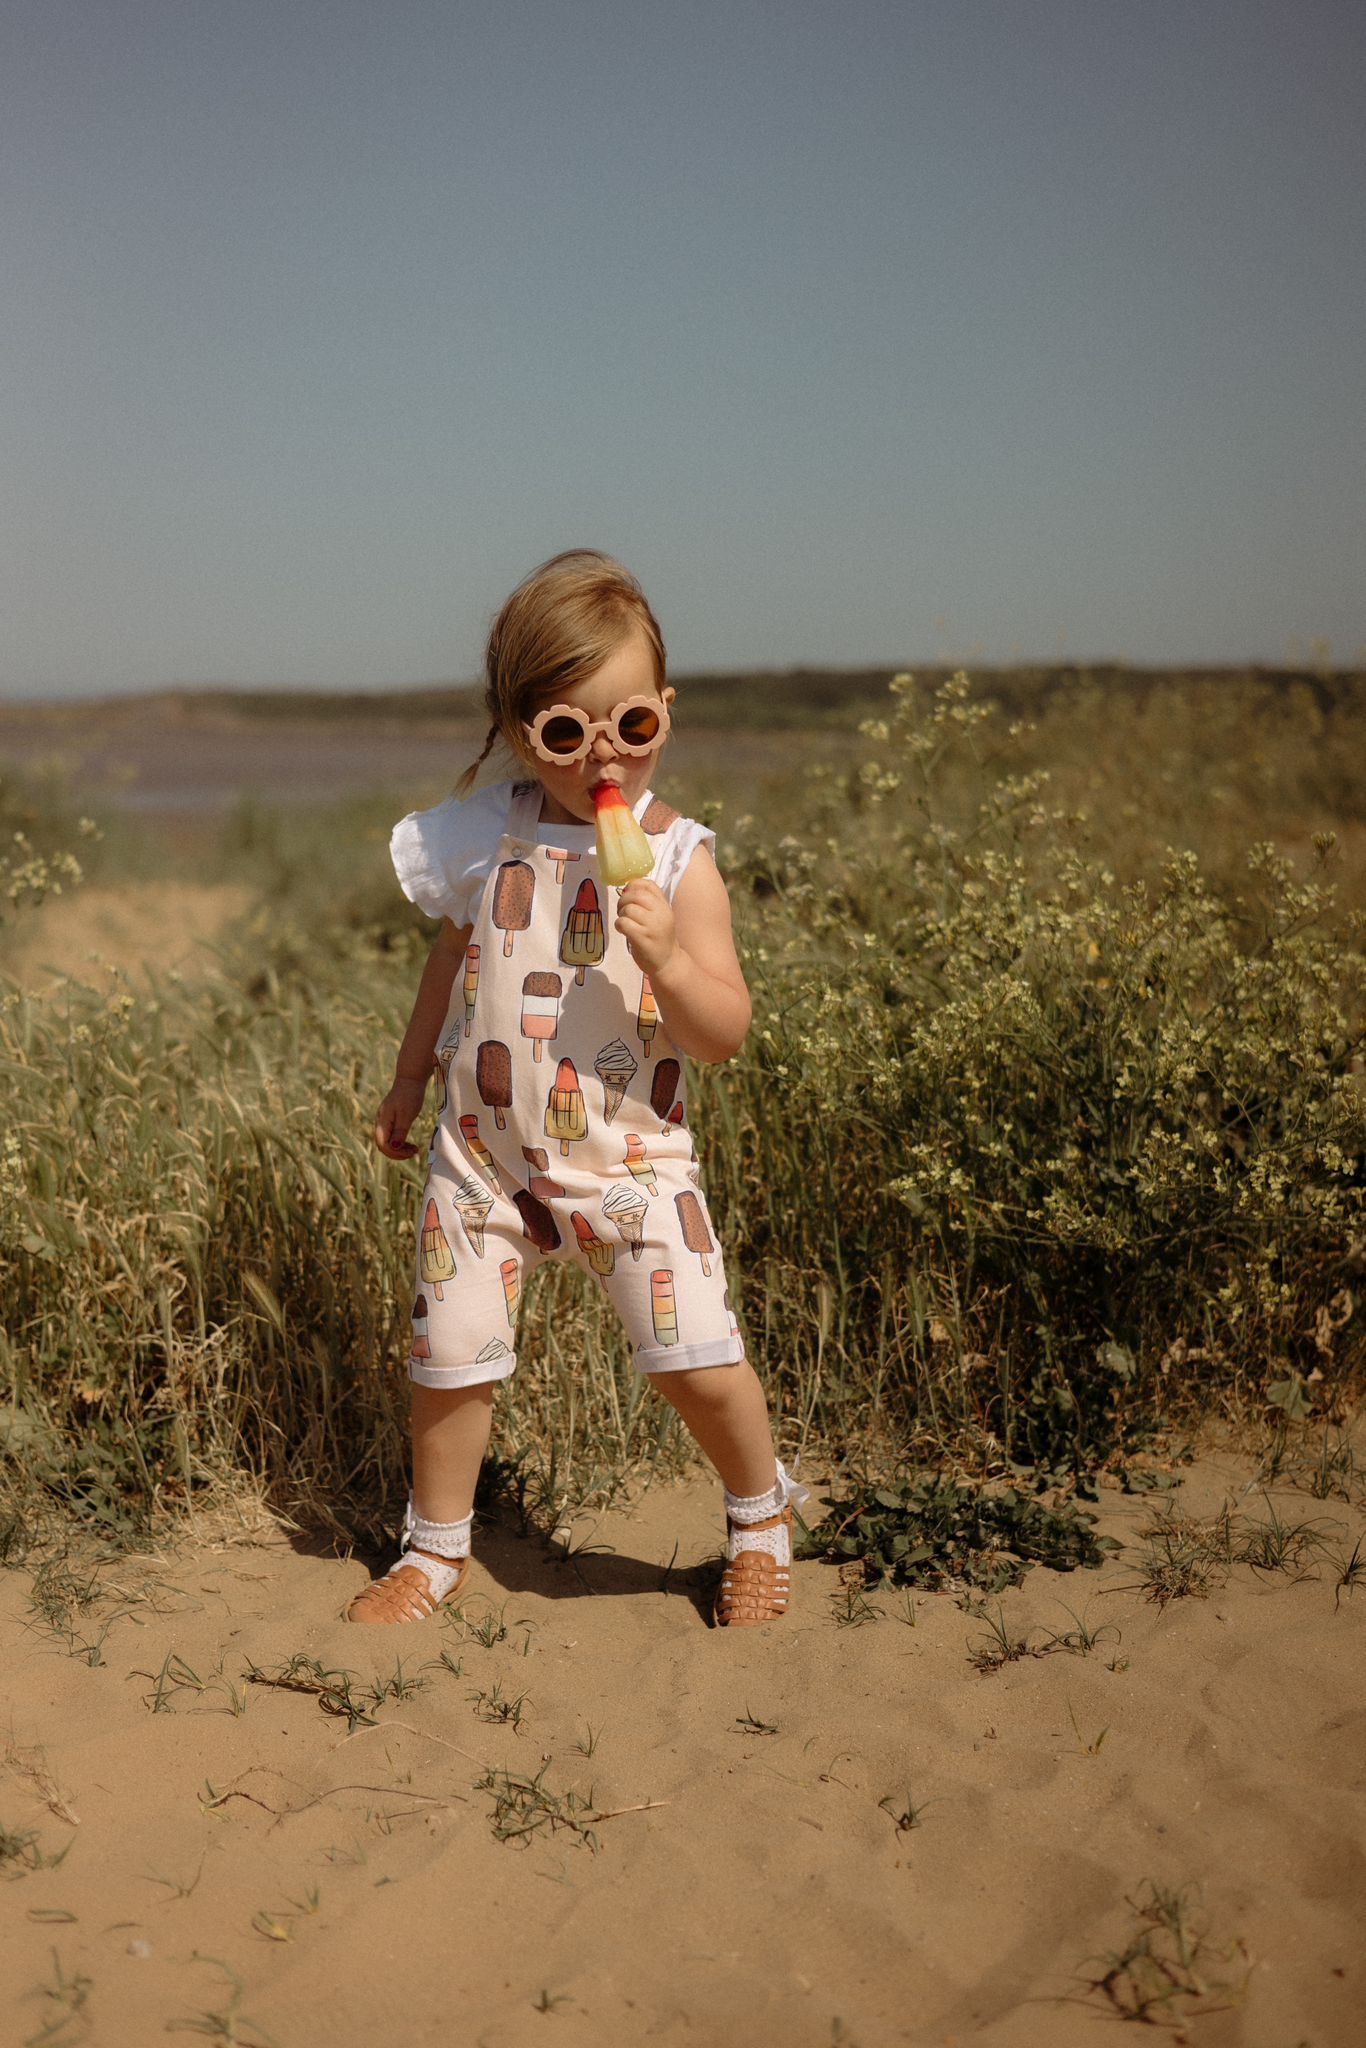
[(428, 1375), (679, 1357)]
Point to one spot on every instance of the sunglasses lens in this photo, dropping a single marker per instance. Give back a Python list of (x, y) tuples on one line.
[(561, 735), (638, 726)]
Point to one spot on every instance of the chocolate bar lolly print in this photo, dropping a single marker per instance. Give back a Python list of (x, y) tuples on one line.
[(693, 1223), (559, 854), (512, 899), (493, 1079), (662, 1091)]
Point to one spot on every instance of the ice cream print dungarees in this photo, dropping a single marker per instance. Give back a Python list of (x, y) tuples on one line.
[(563, 1132)]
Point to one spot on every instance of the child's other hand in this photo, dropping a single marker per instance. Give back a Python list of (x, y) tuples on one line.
[(396, 1116), (645, 920)]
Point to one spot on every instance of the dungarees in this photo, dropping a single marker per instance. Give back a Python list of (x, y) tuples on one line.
[(563, 1131)]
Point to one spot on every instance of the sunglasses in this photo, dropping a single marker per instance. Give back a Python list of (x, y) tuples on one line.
[(560, 733)]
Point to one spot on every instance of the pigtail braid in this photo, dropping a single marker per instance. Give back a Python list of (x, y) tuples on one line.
[(467, 780)]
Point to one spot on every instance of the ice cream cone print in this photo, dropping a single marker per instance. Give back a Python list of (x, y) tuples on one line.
[(495, 1348), (472, 1202), (638, 1164), (483, 1158), (493, 1078), (616, 1070), (583, 941), (662, 1091), (624, 1207), (565, 1115), (647, 1016), (436, 1261), (421, 1344), (540, 1184), (538, 1223), (471, 985), (559, 854), (540, 1009), (512, 1288), (663, 1307), (512, 899), (595, 1249), (696, 1236)]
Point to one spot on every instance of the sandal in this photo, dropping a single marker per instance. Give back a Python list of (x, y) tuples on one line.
[(754, 1585), (405, 1594)]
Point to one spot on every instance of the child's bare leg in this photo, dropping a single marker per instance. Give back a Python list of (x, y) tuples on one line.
[(450, 1436), (725, 1408)]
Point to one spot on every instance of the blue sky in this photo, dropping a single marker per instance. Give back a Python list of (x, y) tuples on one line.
[(981, 329)]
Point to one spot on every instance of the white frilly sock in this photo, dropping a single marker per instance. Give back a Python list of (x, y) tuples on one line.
[(447, 1539), (742, 1509)]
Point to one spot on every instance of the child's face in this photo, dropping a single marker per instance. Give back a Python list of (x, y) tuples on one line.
[(629, 671)]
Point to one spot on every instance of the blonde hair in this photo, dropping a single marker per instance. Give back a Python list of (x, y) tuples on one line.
[(558, 628)]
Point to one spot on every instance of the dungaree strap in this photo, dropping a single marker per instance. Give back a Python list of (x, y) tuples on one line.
[(524, 812)]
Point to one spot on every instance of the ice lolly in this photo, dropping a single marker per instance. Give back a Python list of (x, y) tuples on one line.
[(512, 899), (436, 1261), (421, 1347), (510, 1274), (623, 850), (559, 854), (663, 1307), (472, 1202), (493, 1078), (583, 941), (663, 1088), (696, 1236), (537, 1222), (483, 1158), (638, 1164), (624, 1207), (565, 1116), (541, 1185), (540, 1009), (647, 1016), (595, 1249), (616, 1069), (471, 985)]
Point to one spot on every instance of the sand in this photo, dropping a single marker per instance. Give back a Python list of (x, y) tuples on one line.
[(96, 934), (754, 1880)]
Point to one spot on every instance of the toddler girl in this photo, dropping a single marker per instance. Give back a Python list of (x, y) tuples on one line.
[(557, 1013)]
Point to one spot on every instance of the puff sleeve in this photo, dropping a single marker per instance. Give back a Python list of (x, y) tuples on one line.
[(442, 856)]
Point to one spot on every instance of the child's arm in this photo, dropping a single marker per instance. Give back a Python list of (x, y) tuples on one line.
[(400, 1107), (687, 950)]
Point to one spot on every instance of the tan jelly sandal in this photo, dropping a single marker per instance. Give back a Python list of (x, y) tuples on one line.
[(754, 1586), (405, 1594)]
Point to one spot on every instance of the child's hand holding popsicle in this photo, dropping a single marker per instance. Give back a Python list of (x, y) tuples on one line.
[(645, 920)]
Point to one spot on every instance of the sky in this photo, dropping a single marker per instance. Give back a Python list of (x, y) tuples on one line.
[(876, 331)]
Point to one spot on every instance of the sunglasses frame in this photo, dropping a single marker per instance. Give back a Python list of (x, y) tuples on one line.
[(593, 726)]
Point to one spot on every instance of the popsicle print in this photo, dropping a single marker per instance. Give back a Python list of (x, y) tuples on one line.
[(421, 1341), (696, 1236), (662, 1091), (583, 940), (559, 854), (540, 1184), (510, 1274), (663, 1307), (565, 1115), (483, 1158), (436, 1261), (512, 899), (595, 1249), (493, 1078), (647, 1016), (471, 985), (538, 1224), (540, 1010), (638, 1164)]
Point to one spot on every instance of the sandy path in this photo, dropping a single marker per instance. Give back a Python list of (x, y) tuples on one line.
[(762, 1894), (96, 933)]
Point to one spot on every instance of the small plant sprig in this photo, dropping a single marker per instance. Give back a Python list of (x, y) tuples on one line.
[(930, 1531), (1163, 1973)]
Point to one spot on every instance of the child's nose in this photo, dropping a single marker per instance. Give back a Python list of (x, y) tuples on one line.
[(602, 749)]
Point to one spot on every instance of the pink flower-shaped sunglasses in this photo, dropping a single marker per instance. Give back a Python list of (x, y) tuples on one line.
[(561, 733)]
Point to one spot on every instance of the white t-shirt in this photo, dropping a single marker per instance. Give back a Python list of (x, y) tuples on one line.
[(442, 857)]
